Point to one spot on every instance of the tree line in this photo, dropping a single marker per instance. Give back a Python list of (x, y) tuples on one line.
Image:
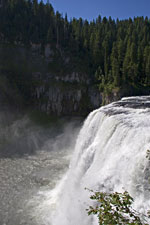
[(116, 52)]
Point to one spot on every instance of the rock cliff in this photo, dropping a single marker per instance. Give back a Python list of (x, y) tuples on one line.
[(67, 95), (41, 80)]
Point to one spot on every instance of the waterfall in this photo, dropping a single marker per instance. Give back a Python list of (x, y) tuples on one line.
[(110, 155)]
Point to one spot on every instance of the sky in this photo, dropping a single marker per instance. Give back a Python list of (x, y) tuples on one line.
[(90, 9)]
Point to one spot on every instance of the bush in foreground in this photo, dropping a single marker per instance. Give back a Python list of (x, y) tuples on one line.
[(115, 208)]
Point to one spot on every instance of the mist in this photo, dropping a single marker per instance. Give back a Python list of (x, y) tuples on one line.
[(33, 157)]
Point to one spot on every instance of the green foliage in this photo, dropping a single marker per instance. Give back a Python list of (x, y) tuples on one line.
[(119, 48), (115, 208)]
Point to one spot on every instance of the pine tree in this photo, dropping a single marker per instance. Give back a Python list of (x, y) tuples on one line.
[(115, 66)]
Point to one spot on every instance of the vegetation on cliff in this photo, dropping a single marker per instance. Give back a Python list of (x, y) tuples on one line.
[(115, 54)]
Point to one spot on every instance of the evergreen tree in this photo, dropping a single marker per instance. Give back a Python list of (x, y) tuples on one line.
[(115, 66), (120, 48)]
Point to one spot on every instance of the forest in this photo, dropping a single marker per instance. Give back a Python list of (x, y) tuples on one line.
[(115, 53)]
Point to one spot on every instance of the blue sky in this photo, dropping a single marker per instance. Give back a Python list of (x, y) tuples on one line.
[(90, 9)]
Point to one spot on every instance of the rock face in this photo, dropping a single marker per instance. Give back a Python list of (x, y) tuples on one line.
[(49, 89), (67, 96)]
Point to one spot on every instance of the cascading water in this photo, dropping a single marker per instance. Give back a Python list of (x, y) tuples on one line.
[(110, 155)]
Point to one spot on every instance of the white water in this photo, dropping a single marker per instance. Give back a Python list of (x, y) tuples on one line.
[(110, 155)]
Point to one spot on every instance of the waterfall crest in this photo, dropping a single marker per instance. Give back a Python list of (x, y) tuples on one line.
[(110, 155)]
